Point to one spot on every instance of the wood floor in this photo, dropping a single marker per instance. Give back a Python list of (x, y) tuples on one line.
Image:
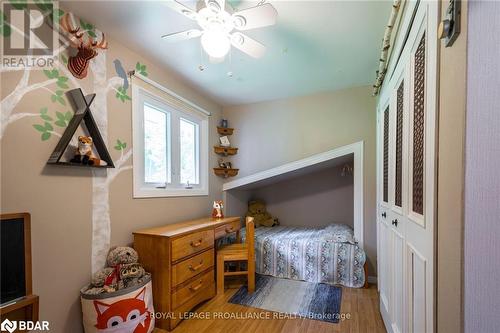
[(361, 304)]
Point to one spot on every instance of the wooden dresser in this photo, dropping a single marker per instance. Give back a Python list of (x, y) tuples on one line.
[(181, 259)]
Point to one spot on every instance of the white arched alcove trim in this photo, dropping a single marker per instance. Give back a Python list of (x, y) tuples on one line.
[(278, 173)]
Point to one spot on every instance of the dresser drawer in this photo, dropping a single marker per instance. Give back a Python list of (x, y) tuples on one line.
[(193, 289), (188, 268), (226, 229), (192, 243)]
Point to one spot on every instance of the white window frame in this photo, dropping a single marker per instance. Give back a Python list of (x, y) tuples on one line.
[(140, 95)]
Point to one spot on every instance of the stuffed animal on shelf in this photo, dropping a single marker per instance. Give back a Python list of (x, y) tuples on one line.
[(123, 271), (83, 154), (217, 210), (257, 210)]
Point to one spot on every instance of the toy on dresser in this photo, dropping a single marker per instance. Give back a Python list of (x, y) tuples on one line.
[(123, 271), (217, 210)]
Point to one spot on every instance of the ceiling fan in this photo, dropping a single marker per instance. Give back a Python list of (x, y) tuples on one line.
[(220, 27)]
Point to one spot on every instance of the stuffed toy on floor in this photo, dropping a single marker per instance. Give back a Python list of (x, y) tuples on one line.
[(123, 271)]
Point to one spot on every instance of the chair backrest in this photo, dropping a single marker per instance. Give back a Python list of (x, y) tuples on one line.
[(249, 233)]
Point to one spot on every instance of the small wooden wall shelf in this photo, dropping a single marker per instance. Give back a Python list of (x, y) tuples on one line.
[(225, 150), (226, 172), (81, 105), (225, 130)]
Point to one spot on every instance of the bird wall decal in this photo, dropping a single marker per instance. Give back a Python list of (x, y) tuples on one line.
[(120, 71)]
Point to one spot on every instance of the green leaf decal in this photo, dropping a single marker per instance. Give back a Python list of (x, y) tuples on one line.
[(120, 145), (39, 128), (60, 123), (68, 115), (48, 127), (45, 117), (45, 136)]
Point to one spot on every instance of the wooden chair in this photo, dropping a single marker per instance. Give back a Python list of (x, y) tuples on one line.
[(238, 252)]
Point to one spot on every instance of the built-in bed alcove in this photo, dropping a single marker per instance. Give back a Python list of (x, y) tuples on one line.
[(310, 192)]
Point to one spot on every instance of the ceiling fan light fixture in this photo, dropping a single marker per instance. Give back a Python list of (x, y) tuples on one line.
[(215, 43)]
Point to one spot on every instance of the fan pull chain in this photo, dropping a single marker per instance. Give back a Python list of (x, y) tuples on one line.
[(230, 72), (201, 67)]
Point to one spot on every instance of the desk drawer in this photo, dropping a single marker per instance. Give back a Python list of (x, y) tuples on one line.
[(192, 243), (226, 229), (193, 289), (188, 268)]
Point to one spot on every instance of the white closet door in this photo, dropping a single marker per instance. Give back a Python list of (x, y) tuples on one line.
[(406, 178), (420, 250), (383, 227), (399, 109)]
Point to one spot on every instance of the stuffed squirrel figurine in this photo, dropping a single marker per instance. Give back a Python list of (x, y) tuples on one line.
[(83, 154)]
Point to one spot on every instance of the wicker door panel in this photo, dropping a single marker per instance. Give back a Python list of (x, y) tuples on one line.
[(398, 188), (418, 129), (386, 157)]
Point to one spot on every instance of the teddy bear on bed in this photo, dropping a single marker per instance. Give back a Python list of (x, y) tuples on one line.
[(123, 271), (257, 210)]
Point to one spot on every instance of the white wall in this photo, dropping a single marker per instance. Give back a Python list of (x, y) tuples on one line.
[(482, 176), (273, 133), (311, 200)]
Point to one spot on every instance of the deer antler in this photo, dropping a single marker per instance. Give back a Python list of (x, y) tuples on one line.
[(75, 35), (103, 44)]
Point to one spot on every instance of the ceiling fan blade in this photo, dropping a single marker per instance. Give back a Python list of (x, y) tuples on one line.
[(255, 17), (180, 8), (183, 35), (216, 5), (247, 45)]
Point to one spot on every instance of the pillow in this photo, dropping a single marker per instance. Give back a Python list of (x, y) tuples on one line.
[(339, 233)]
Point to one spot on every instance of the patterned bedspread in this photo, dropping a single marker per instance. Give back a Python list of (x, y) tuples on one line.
[(310, 254)]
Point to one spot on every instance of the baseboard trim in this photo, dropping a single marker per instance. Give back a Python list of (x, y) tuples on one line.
[(372, 279)]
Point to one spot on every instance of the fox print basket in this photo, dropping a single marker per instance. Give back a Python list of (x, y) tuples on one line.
[(128, 310)]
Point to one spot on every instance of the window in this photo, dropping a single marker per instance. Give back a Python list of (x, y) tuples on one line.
[(170, 146)]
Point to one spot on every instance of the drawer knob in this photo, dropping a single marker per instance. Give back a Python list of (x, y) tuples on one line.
[(198, 286), (384, 215), (197, 267), (395, 222), (198, 243)]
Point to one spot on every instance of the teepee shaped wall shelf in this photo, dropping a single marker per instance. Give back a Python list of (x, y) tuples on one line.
[(81, 106)]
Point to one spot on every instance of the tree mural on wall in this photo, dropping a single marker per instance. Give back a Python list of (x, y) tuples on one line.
[(52, 123)]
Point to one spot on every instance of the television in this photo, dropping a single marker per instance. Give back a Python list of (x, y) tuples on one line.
[(15, 255)]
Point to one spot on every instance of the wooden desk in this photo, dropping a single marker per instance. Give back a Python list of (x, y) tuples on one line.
[(181, 259)]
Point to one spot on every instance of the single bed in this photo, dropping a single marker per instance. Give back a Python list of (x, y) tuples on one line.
[(322, 255)]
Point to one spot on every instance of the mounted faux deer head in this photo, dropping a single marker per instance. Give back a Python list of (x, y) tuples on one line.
[(87, 47)]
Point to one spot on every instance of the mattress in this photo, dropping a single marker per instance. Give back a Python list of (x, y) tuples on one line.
[(322, 255)]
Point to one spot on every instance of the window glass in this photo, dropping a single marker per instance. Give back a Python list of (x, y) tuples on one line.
[(155, 145), (188, 152)]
